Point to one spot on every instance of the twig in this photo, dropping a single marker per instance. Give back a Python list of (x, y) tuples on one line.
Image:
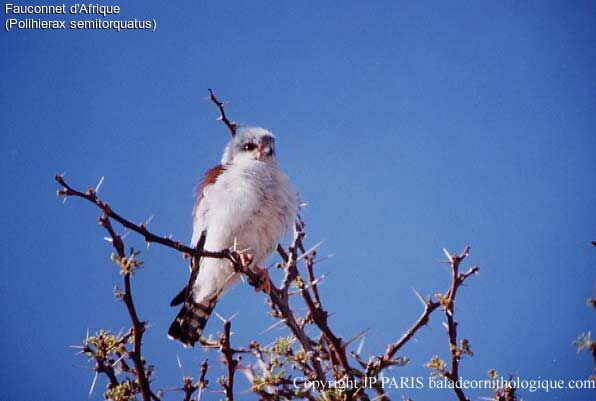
[(449, 306), (232, 126), (378, 363), (138, 327), (315, 308), (309, 262), (189, 387), (107, 369), (280, 299), (202, 383), (141, 229), (231, 363), (422, 321)]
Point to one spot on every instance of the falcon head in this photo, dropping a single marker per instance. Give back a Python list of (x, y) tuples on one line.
[(250, 143)]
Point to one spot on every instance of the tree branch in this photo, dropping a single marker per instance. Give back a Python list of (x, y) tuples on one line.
[(449, 307), (138, 327), (329, 346), (231, 363), (141, 229), (429, 308), (232, 126)]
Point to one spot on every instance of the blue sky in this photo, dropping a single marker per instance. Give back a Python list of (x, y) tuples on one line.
[(407, 127)]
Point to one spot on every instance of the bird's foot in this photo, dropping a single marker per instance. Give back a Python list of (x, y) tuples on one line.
[(265, 281)]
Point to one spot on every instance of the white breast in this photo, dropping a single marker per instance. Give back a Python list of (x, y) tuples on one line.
[(251, 206)]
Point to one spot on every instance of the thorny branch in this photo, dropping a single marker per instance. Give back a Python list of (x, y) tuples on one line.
[(329, 347), (189, 388), (138, 327), (141, 228), (385, 360), (457, 279), (378, 363), (323, 355), (227, 352), (232, 126)]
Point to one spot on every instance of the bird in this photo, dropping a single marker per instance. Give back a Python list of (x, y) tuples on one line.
[(246, 203)]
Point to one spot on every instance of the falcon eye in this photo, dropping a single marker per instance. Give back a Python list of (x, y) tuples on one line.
[(249, 147)]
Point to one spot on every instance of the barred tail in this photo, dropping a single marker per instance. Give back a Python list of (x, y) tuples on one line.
[(190, 321)]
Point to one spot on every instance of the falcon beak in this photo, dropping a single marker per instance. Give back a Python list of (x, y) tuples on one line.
[(264, 151)]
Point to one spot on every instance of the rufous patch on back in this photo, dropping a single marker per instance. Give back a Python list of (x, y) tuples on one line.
[(209, 178)]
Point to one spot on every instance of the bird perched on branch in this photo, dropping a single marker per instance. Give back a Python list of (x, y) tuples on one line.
[(245, 203)]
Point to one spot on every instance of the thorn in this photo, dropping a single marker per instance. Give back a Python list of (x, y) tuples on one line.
[(118, 360), (419, 296), (445, 325), (360, 346), (449, 256), (318, 280), (309, 285), (231, 276), (274, 325), (312, 249), (149, 220), (220, 317), (356, 337), (233, 316), (465, 252), (99, 184), (179, 362), (93, 384)]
